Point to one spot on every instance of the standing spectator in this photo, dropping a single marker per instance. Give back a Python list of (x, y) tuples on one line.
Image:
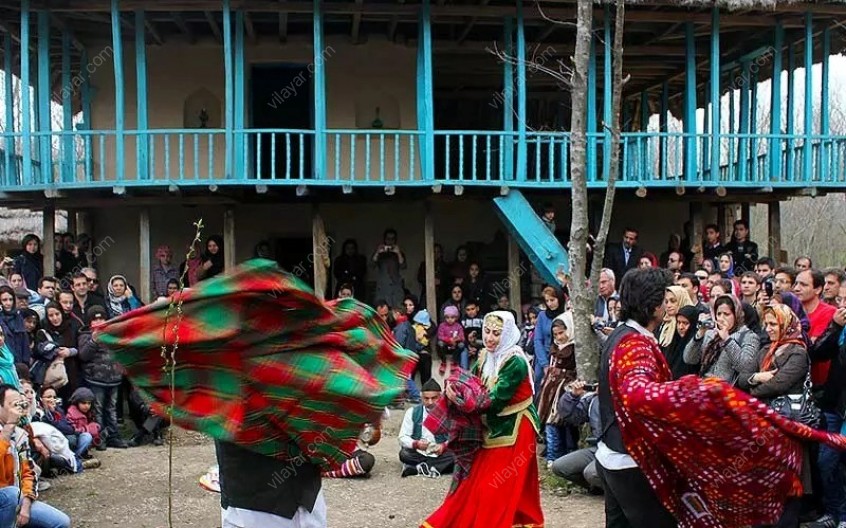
[(389, 260), (686, 321), (163, 271), (94, 290), (82, 298), (647, 260), (456, 299), (8, 369), (409, 305), (440, 277), (555, 302), (674, 244), (691, 283), (622, 256), (405, 336), (459, 268), (713, 246), (808, 288), (121, 298), (725, 262), (750, 285), (475, 285), (765, 267), (57, 339), (13, 327), (784, 279), (66, 301), (560, 371), (85, 253), (68, 262), (675, 261), (46, 293), (213, 262), (744, 251), (803, 263), (834, 277), (675, 298), (548, 217), (607, 290), (192, 265), (30, 263), (350, 267)]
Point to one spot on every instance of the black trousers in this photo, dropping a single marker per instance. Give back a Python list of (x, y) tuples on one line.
[(790, 517), (444, 463), (424, 367), (630, 501)]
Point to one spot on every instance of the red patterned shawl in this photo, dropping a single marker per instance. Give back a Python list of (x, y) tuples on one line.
[(714, 455)]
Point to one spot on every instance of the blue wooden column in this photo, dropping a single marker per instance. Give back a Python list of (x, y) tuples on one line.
[(743, 143), (807, 151), (26, 85), (791, 113), (45, 124), (425, 93), (507, 143), (716, 136), (319, 96), (591, 114), (142, 140), (521, 95), (776, 145), (607, 87), (9, 105), (68, 172), (240, 160), (825, 118), (117, 45), (643, 144), (690, 161), (86, 118), (732, 131), (706, 130), (753, 124), (664, 128), (228, 83)]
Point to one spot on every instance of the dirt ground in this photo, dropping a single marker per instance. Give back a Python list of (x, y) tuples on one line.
[(131, 489)]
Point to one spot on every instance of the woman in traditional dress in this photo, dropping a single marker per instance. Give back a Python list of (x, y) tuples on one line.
[(502, 489)]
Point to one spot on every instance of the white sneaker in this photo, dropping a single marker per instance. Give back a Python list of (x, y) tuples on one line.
[(549, 465), (434, 473), (423, 469)]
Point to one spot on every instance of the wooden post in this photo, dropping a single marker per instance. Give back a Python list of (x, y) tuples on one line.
[(774, 223), (144, 264), (229, 238), (746, 212), (72, 228), (83, 223), (698, 227), (48, 244), (514, 278), (721, 221), (320, 252), (429, 258)]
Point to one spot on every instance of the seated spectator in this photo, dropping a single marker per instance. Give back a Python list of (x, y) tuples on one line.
[(361, 463), (50, 412), (81, 416), (18, 482), (8, 370), (456, 299), (345, 291), (150, 427), (420, 450), (163, 271), (21, 298), (450, 341), (406, 337), (577, 406)]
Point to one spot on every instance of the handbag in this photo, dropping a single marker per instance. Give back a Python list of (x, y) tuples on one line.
[(799, 407), (56, 375)]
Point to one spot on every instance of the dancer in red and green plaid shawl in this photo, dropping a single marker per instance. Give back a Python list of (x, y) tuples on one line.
[(502, 489), (283, 381)]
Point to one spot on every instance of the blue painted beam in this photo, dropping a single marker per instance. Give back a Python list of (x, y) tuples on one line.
[(591, 113), (776, 146), (68, 155), (732, 131), (743, 143), (807, 151), (664, 127), (86, 119), (690, 160), (9, 105), (716, 136), (240, 162), (791, 111), (753, 123), (706, 130), (142, 146), (26, 86), (643, 145), (319, 95), (429, 90), (45, 124), (825, 118), (228, 75), (521, 94), (607, 86), (117, 45), (508, 102)]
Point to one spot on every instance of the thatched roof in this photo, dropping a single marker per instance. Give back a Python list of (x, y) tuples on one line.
[(15, 223)]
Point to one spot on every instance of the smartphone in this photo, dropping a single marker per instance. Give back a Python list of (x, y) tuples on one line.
[(768, 287)]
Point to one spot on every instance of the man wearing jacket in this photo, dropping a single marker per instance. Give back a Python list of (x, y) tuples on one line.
[(18, 483), (576, 407)]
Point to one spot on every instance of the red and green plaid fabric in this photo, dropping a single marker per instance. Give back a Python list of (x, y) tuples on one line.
[(265, 364)]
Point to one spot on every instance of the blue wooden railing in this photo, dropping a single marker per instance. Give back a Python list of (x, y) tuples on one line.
[(85, 158)]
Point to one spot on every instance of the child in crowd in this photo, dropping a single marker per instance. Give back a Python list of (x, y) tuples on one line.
[(81, 416), (561, 371), (406, 337), (527, 333), (549, 216), (472, 324), (50, 412), (32, 323), (504, 303), (422, 324), (451, 340), (614, 310)]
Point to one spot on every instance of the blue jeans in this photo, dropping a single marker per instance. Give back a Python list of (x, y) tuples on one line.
[(829, 460), (83, 442), (41, 515), (555, 442), (105, 410), (413, 391)]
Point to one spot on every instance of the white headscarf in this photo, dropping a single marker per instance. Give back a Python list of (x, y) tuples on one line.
[(507, 345), (569, 324)]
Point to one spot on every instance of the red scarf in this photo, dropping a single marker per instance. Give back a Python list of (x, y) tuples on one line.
[(714, 455)]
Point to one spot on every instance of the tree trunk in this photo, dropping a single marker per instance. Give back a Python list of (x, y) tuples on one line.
[(587, 359)]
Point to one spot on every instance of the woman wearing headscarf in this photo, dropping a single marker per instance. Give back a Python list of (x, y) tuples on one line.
[(675, 298), (57, 339), (8, 372), (30, 263), (686, 321), (120, 297), (795, 305), (502, 488), (726, 350), (561, 371), (781, 368), (213, 262), (350, 267), (726, 264), (555, 302), (12, 323)]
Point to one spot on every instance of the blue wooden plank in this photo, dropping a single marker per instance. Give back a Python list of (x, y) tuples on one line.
[(607, 86), (86, 119), (227, 80), (590, 149), (68, 158), (644, 126), (508, 102), (807, 155), (776, 145), (45, 124), (690, 160), (239, 162), (716, 136), (663, 127), (141, 140), (743, 143), (117, 45), (825, 118), (9, 104), (319, 95), (428, 165), (706, 129), (791, 111), (547, 255), (753, 123), (732, 133), (521, 95)]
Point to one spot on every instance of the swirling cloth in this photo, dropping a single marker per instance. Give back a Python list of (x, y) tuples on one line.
[(714, 455), (265, 364)]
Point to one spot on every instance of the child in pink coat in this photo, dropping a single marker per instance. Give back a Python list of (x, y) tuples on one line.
[(80, 414), (451, 340)]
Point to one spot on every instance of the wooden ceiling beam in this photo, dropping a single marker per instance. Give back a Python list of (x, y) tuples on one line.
[(153, 30), (215, 29), (283, 23), (250, 28), (470, 23), (393, 24), (183, 26), (356, 24), (60, 24)]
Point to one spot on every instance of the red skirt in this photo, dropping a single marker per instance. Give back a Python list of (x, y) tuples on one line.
[(502, 490)]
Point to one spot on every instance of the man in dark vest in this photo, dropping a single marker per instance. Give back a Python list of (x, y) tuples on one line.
[(257, 491), (629, 499), (423, 453)]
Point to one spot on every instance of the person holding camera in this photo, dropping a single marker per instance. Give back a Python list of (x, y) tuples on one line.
[(576, 406), (389, 261), (723, 346)]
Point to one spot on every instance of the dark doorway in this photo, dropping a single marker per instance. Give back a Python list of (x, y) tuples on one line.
[(282, 98), (294, 255)]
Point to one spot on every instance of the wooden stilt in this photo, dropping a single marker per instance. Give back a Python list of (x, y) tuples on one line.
[(429, 256), (320, 254), (48, 246), (514, 278), (229, 238), (144, 257), (774, 222), (698, 227)]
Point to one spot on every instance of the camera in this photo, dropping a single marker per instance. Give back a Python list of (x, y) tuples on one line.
[(707, 324), (589, 387), (599, 325), (22, 405)]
